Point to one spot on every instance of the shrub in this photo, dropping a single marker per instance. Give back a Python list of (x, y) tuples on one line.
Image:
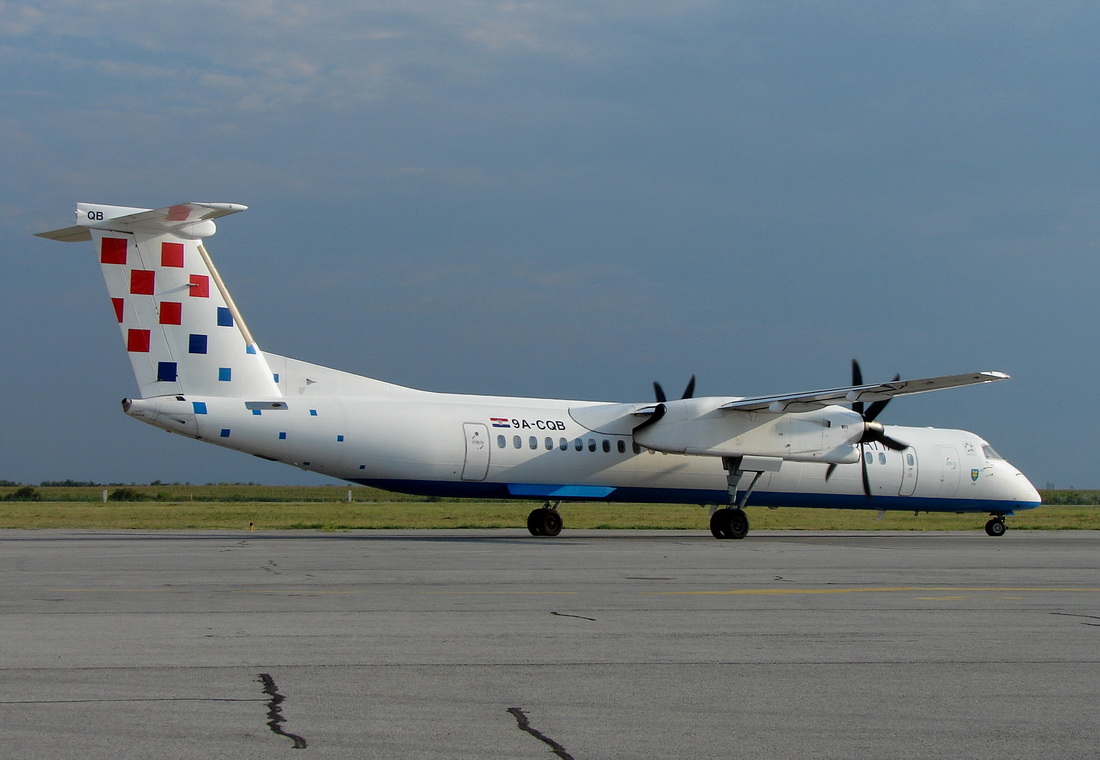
[(26, 493), (126, 494)]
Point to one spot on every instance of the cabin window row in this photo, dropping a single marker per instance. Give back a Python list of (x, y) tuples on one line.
[(564, 444)]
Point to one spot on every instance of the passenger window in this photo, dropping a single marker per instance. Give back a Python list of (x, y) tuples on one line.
[(621, 445), (517, 442), (591, 444), (578, 445), (882, 457), (501, 442), (533, 442), (549, 443), (910, 460), (563, 445)]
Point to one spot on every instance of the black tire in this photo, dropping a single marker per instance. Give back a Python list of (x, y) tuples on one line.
[(738, 523), (729, 523), (996, 527), (719, 524), (551, 522), (534, 521)]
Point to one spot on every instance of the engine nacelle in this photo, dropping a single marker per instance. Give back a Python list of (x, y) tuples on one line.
[(695, 426)]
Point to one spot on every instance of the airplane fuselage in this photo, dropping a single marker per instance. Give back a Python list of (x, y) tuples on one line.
[(521, 448)]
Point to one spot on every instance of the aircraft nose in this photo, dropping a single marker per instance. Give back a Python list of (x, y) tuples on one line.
[(1028, 492)]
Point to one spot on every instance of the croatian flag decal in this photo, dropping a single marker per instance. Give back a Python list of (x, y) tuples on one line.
[(500, 422)]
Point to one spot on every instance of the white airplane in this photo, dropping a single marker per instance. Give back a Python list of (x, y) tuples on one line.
[(201, 374)]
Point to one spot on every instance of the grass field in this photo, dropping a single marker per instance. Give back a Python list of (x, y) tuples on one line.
[(326, 508)]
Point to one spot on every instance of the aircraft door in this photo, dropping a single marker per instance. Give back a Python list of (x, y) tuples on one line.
[(949, 471), (476, 466), (908, 471)]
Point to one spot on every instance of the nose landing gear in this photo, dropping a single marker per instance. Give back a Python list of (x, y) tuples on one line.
[(996, 526)]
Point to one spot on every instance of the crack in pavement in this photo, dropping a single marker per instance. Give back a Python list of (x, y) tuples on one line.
[(128, 699), (1078, 615), (275, 717), (525, 725)]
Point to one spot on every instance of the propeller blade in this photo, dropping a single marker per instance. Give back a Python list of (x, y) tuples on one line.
[(892, 443), (690, 390), (875, 409), (659, 392), (652, 419), (857, 379), (829, 472)]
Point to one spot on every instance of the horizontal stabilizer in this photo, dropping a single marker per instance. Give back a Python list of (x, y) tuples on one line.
[(185, 219)]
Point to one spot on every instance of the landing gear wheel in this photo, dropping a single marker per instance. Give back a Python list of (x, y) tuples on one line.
[(534, 522), (551, 522), (996, 527), (729, 523), (544, 522)]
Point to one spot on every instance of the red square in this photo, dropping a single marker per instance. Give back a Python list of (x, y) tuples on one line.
[(137, 341), (200, 286), (117, 303), (178, 213), (171, 313), (141, 282), (171, 254), (112, 250)]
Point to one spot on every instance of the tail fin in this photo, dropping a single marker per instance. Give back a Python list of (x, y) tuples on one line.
[(181, 328)]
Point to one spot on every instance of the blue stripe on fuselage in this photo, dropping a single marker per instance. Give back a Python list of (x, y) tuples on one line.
[(485, 490)]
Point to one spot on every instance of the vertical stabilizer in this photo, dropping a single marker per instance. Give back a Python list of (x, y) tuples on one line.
[(181, 329)]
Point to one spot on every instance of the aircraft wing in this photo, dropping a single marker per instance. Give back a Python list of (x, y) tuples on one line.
[(804, 402)]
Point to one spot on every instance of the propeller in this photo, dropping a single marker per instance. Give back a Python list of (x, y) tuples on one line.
[(689, 391), (873, 432), (661, 409)]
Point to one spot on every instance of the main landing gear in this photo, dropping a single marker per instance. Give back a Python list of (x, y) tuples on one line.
[(996, 526), (545, 521), (731, 522)]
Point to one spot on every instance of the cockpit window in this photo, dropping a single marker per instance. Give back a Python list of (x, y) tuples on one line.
[(989, 452)]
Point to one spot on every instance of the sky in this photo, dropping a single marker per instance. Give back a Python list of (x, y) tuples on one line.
[(567, 199)]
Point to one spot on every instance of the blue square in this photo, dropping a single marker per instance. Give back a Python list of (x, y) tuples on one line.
[(282, 436), (200, 407), (166, 372), (276, 376), (225, 432), (312, 412), (225, 374), (251, 348), (256, 412), (340, 438), (225, 318), (196, 344)]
